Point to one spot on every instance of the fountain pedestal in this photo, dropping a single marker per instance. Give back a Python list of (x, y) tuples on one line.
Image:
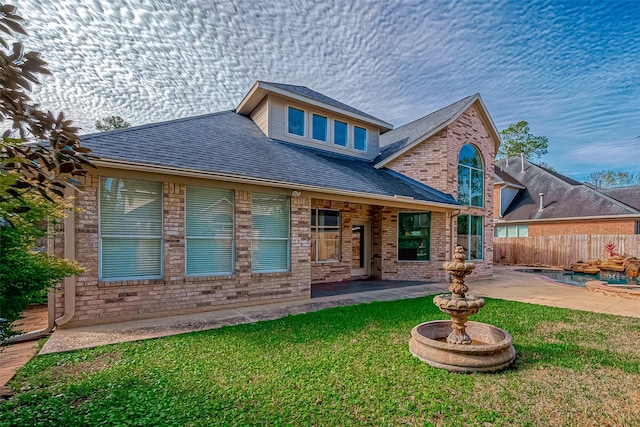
[(457, 344)]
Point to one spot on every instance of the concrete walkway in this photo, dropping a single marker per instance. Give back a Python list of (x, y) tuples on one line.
[(506, 283)]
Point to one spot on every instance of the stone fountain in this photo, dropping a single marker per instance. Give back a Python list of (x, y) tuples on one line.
[(459, 345)]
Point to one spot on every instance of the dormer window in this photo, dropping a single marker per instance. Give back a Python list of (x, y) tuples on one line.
[(320, 127), (340, 133), (295, 122), (359, 138)]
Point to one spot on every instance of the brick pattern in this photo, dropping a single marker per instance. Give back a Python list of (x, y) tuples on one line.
[(103, 302), (583, 227), (435, 163)]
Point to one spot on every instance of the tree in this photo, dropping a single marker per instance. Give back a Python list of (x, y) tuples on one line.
[(111, 123), (517, 139), (40, 155), (611, 178)]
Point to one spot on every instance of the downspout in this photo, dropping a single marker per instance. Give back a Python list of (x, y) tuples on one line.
[(70, 254)]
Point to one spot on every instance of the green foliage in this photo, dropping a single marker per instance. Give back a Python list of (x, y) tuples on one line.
[(26, 275), (346, 366), (517, 139), (610, 178), (40, 155), (111, 123)]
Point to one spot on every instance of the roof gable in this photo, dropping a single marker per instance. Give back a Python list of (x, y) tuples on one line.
[(402, 139)]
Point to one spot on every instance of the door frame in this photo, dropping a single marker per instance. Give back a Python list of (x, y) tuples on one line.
[(366, 251)]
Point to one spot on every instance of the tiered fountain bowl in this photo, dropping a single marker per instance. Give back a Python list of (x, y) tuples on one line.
[(459, 345)]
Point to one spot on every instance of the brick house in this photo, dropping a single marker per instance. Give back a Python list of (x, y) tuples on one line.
[(257, 204), (530, 201)]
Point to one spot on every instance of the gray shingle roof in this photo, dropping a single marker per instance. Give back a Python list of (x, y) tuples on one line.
[(627, 195), (402, 137), (563, 196), (317, 96), (229, 143)]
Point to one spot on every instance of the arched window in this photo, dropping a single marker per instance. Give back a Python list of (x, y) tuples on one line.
[(470, 177)]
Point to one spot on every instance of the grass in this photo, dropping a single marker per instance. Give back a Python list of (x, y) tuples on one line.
[(342, 366)]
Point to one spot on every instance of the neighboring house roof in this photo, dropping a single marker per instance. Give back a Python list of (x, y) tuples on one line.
[(500, 178), (260, 89), (400, 140), (230, 146), (627, 195), (563, 197)]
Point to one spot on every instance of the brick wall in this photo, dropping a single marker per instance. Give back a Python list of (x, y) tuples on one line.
[(435, 163), (607, 226), (103, 302)]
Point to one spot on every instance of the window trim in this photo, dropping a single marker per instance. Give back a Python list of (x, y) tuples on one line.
[(398, 237), (101, 277), (304, 122), (287, 239), (346, 136), (470, 169), (468, 233), (326, 128), (232, 238), (314, 258), (364, 150)]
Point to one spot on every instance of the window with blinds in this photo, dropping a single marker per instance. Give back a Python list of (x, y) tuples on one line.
[(270, 233), (130, 229), (209, 231)]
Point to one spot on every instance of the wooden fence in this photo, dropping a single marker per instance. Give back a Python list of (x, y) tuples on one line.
[(561, 250)]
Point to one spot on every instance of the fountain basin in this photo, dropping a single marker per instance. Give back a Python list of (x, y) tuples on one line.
[(491, 349)]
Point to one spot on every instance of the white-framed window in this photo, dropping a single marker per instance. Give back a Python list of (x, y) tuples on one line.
[(320, 127), (414, 236), (130, 229), (359, 138), (470, 176), (340, 133), (295, 121), (471, 236), (512, 230), (325, 235), (209, 231), (270, 233)]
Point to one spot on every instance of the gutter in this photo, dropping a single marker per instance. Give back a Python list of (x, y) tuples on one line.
[(142, 167), (577, 218)]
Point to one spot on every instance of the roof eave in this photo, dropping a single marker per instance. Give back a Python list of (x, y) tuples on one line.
[(575, 218), (194, 173)]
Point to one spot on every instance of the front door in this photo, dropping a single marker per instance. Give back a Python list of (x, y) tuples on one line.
[(360, 249)]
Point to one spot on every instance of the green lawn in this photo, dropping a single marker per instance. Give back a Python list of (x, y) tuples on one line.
[(342, 366)]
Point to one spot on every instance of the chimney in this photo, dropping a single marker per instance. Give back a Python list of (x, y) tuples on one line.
[(522, 162), (541, 208)]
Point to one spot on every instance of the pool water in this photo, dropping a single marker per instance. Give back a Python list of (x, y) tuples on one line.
[(579, 279)]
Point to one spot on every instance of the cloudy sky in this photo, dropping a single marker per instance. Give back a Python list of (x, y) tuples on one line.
[(570, 68)]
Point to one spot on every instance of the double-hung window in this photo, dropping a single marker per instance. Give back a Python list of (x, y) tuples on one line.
[(340, 133), (325, 235), (295, 121), (130, 229), (470, 235), (320, 127), (270, 233), (209, 231), (359, 138), (414, 236)]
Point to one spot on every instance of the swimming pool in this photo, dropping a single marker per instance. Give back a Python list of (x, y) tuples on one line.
[(579, 279)]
